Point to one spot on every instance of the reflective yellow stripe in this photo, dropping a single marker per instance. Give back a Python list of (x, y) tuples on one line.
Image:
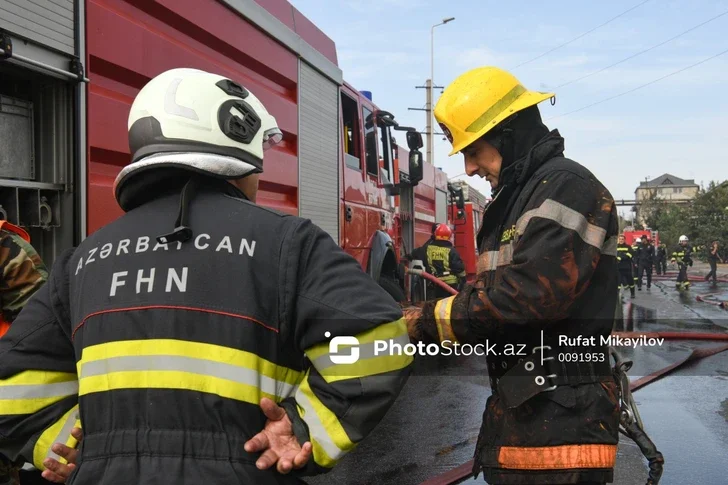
[(373, 354), (328, 437), (443, 312), (198, 350), (175, 364), (387, 331), (31, 391), (449, 279), (58, 432), (497, 108)]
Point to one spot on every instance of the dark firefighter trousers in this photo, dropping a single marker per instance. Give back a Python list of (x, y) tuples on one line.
[(682, 275), (626, 279), (713, 271), (642, 268)]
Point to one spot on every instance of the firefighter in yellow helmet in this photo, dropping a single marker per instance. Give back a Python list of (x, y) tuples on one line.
[(548, 247)]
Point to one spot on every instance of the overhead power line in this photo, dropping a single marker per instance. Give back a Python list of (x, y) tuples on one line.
[(642, 85), (642, 52), (580, 36)]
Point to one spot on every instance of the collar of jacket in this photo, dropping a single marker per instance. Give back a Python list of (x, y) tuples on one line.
[(548, 147), (163, 181)]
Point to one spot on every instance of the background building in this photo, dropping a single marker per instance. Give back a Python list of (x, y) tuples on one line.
[(666, 188)]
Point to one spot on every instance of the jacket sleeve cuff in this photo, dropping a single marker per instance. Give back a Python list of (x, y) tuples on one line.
[(436, 321), (300, 430)]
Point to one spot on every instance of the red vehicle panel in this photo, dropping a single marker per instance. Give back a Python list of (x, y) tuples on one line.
[(129, 42)]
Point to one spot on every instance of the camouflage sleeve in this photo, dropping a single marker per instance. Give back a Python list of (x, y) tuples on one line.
[(22, 271), (38, 377)]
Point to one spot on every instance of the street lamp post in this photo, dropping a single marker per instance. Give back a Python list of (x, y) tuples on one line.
[(430, 94)]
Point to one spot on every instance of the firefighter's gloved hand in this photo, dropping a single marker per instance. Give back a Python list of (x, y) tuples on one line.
[(278, 442), (56, 471), (412, 316)]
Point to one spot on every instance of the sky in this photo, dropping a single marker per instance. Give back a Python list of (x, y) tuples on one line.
[(678, 125)]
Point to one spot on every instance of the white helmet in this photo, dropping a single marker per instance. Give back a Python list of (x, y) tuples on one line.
[(683, 238), (638, 240), (198, 121)]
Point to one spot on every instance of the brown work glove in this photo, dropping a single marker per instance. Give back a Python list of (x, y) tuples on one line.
[(412, 316), (420, 319)]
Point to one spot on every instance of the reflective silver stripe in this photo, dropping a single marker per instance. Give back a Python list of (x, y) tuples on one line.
[(491, 260), (505, 254), (241, 375), (366, 351), (567, 218), (610, 247), (444, 305), (64, 433), (33, 391), (488, 261), (316, 429)]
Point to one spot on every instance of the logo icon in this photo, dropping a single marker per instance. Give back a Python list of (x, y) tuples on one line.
[(346, 342)]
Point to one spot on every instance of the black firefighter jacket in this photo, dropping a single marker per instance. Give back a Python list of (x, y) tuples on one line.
[(165, 350), (646, 255), (548, 247)]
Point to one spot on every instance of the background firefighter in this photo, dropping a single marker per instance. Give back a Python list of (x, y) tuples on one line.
[(661, 259), (713, 258), (22, 273), (548, 247), (683, 256), (442, 260), (624, 265), (636, 250), (645, 257), (221, 370)]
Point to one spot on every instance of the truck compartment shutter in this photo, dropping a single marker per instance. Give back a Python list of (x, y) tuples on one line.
[(318, 150), (49, 23)]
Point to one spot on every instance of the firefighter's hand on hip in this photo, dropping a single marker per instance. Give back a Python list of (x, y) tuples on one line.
[(277, 441), (56, 471)]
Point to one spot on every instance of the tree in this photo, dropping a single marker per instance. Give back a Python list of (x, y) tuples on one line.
[(704, 220)]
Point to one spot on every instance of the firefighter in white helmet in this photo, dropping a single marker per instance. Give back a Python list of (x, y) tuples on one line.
[(683, 256), (203, 354)]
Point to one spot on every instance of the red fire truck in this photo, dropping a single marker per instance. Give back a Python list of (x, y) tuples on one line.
[(630, 234), (70, 70)]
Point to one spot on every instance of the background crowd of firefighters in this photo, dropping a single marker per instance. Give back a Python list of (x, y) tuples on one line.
[(638, 261)]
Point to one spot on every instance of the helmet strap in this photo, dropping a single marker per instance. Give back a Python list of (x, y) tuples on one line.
[(182, 232)]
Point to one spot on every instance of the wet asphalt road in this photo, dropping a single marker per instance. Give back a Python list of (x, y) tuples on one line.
[(433, 426)]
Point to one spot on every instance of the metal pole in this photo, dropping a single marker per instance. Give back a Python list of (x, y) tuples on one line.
[(430, 93), (430, 97), (428, 128)]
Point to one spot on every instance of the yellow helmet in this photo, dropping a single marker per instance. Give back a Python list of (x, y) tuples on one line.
[(479, 100)]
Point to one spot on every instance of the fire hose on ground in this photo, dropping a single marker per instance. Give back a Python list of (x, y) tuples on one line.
[(630, 421)]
